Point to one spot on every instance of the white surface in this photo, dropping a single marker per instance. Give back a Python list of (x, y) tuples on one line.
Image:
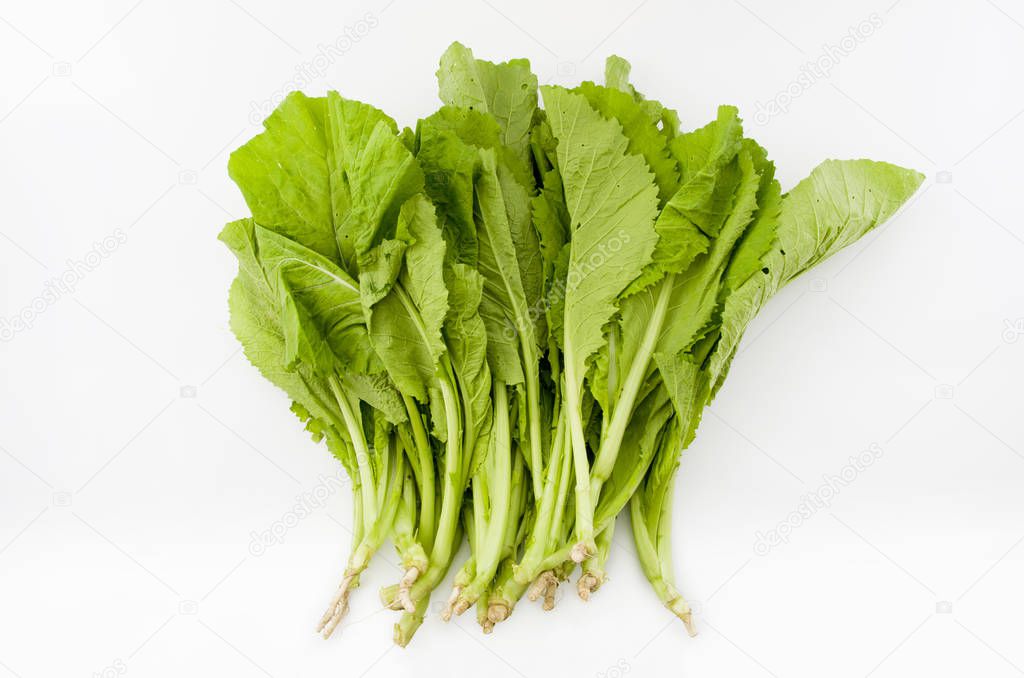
[(126, 510)]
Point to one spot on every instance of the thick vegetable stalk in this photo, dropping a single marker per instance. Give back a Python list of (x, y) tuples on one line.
[(594, 574), (495, 490), (546, 532), (416, 522), (493, 607), (410, 551), (654, 558), (453, 485), (381, 482)]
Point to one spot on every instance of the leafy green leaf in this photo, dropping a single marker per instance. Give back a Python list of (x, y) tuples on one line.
[(838, 203), (612, 201), (405, 325), (508, 91), (285, 176)]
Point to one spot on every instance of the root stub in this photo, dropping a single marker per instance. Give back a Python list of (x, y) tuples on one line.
[(541, 585), (449, 606), (462, 606), (682, 610), (337, 608), (549, 594), (497, 612), (588, 583), (408, 579), (688, 623), (580, 552)]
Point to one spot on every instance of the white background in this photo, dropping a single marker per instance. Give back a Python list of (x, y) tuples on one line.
[(126, 505)]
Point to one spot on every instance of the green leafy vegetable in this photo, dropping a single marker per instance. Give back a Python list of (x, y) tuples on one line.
[(506, 323)]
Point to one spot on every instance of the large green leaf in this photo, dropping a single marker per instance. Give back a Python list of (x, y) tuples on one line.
[(838, 203), (612, 201), (285, 174), (715, 182), (504, 308), (405, 325), (616, 76), (255, 320), (329, 173), (508, 91), (467, 342), (642, 133), (329, 299)]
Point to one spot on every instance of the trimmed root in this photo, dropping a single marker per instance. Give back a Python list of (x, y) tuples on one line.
[(338, 606), (410, 577), (588, 583), (462, 606), (688, 623), (456, 604), (549, 594), (541, 584), (487, 625), (580, 552), (497, 612), (682, 610), (449, 606)]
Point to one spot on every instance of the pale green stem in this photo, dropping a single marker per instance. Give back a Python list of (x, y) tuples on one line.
[(577, 437), (604, 460), (489, 542), (355, 432), (533, 417), (428, 489), (538, 541)]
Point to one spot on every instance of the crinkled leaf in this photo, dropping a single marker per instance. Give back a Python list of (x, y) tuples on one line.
[(701, 155), (377, 170), (695, 292), (616, 76), (504, 308), (467, 345), (284, 174), (328, 297), (255, 321), (508, 91), (760, 237), (612, 201), (405, 326), (641, 132), (838, 203), (329, 173)]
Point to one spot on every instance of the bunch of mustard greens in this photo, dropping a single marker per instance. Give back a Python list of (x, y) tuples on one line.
[(506, 322)]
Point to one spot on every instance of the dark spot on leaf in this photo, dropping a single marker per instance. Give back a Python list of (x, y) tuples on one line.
[(765, 270)]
